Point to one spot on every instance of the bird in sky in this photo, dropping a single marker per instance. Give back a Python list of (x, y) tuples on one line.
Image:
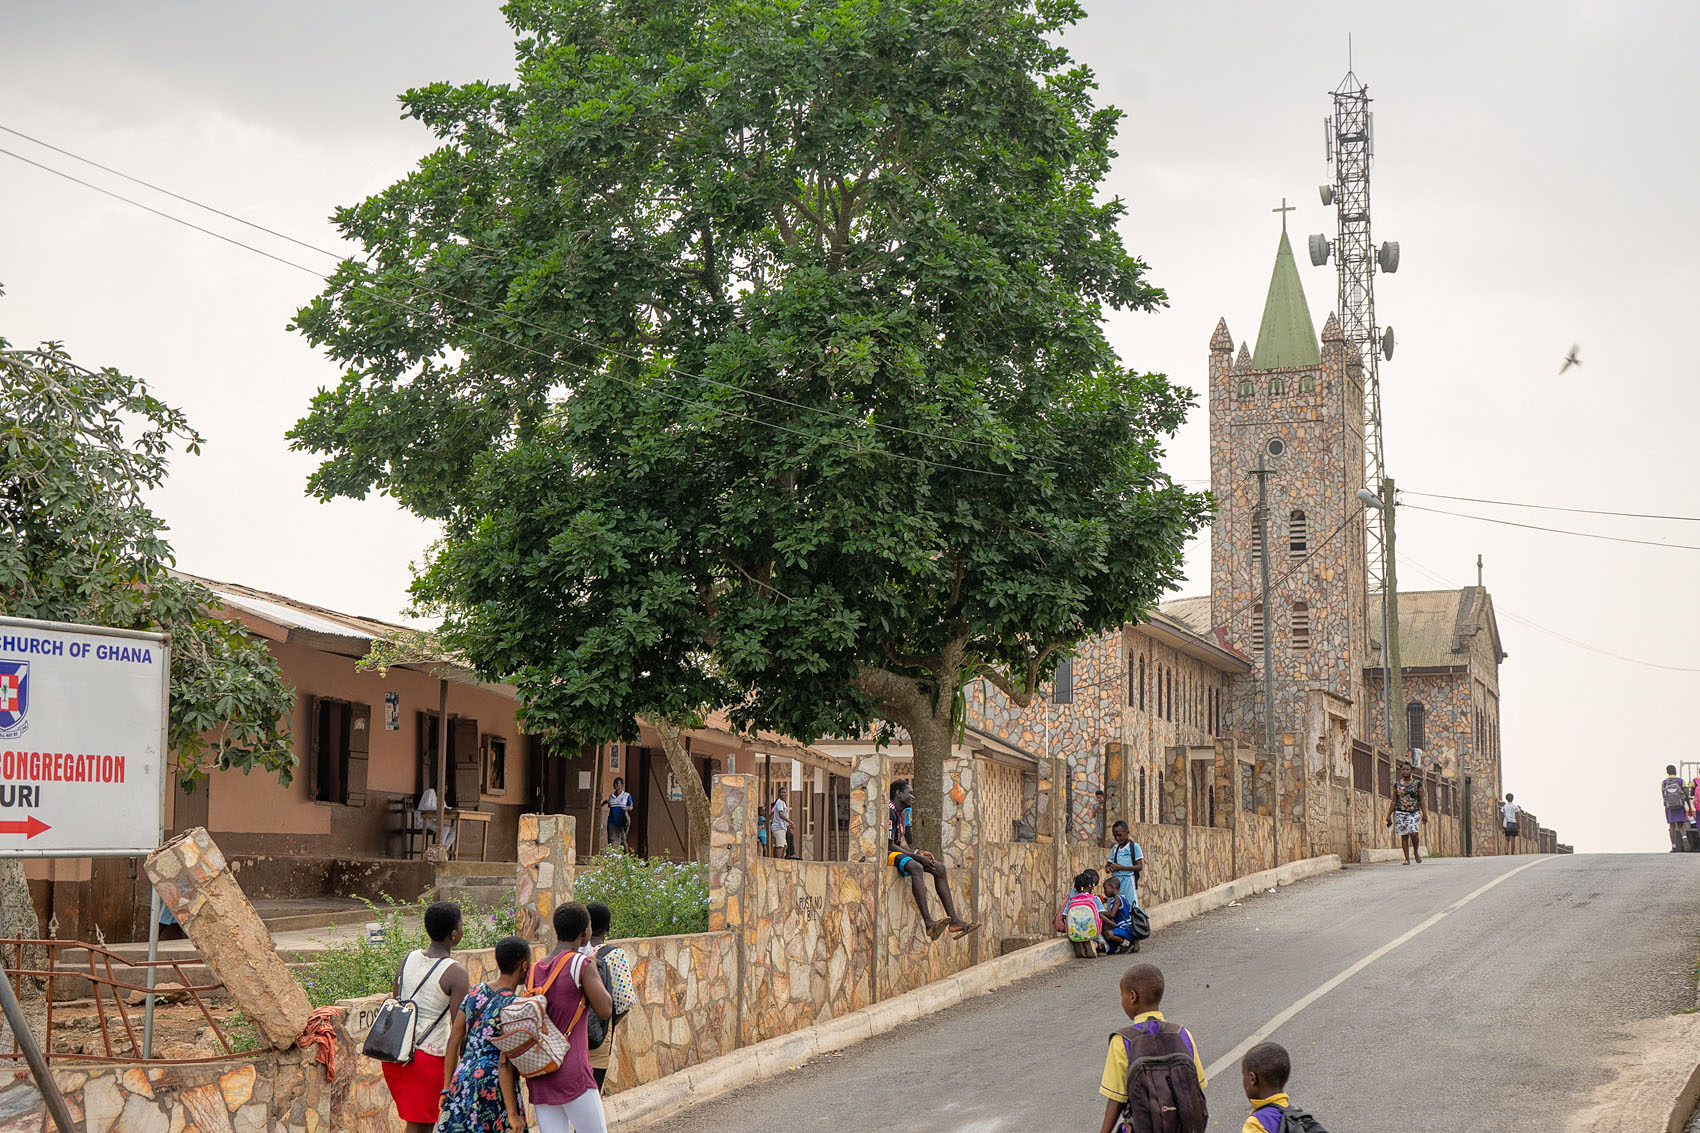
[(1570, 360)]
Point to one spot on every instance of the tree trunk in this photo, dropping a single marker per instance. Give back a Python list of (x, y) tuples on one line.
[(690, 785), (930, 741), (18, 921)]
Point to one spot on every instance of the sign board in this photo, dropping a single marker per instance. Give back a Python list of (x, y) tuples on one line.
[(82, 739)]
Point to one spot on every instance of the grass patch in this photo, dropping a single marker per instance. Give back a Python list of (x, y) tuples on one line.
[(364, 966)]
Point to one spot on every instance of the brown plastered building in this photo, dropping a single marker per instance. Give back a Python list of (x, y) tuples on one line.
[(347, 824)]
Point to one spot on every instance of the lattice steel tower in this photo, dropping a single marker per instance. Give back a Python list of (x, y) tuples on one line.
[(1350, 147)]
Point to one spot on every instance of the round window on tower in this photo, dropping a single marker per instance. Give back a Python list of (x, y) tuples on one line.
[(1276, 446)]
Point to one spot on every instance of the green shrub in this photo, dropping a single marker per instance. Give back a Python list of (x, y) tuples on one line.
[(359, 967), (649, 898)]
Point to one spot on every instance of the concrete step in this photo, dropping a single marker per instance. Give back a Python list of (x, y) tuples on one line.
[(504, 870), (476, 896)]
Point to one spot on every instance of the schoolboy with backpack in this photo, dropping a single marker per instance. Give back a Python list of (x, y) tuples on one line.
[(1153, 1079), (1263, 1074)]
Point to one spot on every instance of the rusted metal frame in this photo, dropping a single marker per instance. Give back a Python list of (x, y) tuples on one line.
[(118, 1002), (99, 1011), (218, 1032)]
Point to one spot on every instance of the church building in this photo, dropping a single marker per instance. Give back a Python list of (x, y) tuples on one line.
[(1286, 430)]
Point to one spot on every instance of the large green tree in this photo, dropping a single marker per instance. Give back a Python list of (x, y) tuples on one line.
[(79, 451), (751, 353)]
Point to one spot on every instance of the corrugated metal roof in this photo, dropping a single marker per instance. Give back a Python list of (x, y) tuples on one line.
[(1435, 626), (1287, 337), (1193, 613)]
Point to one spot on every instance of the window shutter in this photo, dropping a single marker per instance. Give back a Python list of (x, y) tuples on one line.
[(315, 722), (1257, 629), (359, 748), (1301, 626), (463, 763), (1298, 535)]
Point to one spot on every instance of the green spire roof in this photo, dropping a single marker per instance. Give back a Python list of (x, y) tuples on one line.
[(1286, 339)]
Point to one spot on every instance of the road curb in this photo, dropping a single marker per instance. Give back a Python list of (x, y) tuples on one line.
[(1656, 1081), (664, 1097)]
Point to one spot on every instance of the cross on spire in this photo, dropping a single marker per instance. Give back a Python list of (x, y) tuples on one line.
[(1284, 210)]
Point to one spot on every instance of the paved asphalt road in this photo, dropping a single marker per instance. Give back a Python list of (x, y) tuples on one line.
[(1496, 1017)]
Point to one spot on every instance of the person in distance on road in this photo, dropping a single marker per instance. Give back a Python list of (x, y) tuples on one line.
[(1677, 800), (1263, 1075), (1143, 1091), (1508, 815), (902, 856), (1406, 812)]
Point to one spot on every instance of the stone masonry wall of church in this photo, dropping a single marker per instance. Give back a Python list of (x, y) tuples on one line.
[(1105, 736), (1318, 474)]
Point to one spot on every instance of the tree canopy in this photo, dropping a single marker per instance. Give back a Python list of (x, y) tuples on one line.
[(752, 354), (79, 449)]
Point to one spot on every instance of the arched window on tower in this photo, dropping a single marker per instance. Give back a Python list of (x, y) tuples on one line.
[(1257, 629), (1142, 794), (1307, 383), (1301, 626), (1298, 535), (1416, 726), (1169, 693), (1142, 682), (1246, 389), (1277, 386)]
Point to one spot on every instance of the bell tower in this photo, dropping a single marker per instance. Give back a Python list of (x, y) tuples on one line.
[(1296, 404)]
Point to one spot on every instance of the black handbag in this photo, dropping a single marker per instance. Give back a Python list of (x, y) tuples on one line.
[(392, 1037)]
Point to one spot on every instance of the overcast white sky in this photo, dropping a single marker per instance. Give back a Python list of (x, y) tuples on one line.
[(1536, 162)]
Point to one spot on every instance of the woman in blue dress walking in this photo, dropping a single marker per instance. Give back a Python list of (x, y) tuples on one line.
[(481, 1091)]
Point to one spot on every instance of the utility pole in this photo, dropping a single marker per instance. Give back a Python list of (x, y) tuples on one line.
[(1262, 475), (1390, 599)]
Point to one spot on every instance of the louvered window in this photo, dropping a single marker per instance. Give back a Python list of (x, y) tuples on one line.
[(1301, 626), (1257, 630), (1298, 535)]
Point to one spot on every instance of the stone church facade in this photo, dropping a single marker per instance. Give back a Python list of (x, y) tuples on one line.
[(1287, 409)]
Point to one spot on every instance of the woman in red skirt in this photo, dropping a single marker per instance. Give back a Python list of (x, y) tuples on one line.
[(435, 984)]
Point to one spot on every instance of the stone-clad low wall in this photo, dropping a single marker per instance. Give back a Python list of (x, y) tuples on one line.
[(278, 1092)]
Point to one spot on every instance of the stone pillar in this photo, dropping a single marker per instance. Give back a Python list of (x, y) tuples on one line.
[(548, 854), (1177, 781), (961, 839), (193, 880), (1117, 771), (869, 786), (731, 850)]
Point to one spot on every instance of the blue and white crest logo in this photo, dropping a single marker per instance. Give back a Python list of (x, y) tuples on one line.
[(14, 698)]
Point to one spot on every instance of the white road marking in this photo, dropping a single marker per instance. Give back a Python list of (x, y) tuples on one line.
[(1228, 1060)]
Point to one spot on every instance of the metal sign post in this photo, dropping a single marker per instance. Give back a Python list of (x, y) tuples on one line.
[(84, 717)]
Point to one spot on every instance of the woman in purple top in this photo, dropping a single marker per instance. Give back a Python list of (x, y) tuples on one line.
[(569, 1097)]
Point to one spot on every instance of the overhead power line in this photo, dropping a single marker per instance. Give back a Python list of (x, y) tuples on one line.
[(1557, 530), (1564, 637), (553, 359), (554, 332), (1552, 507)]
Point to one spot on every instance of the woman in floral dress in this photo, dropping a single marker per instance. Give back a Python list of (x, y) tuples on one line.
[(480, 1094)]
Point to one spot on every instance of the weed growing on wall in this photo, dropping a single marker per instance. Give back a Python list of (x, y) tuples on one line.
[(367, 965), (653, 897)]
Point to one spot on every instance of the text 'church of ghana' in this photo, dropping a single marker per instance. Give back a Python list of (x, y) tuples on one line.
[(1192, 673)]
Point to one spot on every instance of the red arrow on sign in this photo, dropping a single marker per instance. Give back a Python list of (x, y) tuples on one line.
[(29, 827)]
